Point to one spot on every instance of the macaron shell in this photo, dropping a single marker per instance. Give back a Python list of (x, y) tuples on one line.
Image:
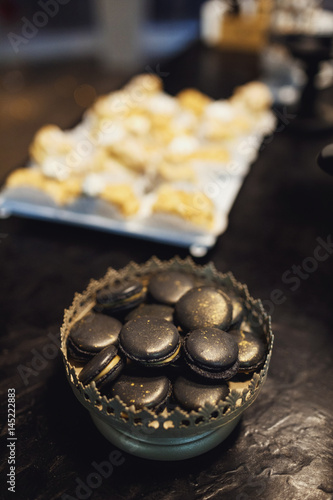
[(212, 353), (226, 374), (211, 348), (118, 291), (92, 370), (149, 339), (192, 395), (168, 287), (160, 311), (251, 350), (120, 296), (149, 392), (75, 355), (204, 307), (93, 333)]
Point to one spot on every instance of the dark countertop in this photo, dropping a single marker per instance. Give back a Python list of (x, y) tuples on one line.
[(282, 448)]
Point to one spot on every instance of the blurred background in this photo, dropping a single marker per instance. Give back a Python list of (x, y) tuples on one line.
[(120, 34), (56, 56)]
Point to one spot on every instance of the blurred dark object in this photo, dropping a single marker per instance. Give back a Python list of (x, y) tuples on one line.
[(75, 13), (121, 36), (311, 50), (234, 7), (161, 10), (325, 159), (9, 11), (327, 4)]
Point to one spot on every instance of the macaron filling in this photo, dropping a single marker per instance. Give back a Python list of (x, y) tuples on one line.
[(150, 341), (168, 360), (103, 368), (107, 369), (120, 297)]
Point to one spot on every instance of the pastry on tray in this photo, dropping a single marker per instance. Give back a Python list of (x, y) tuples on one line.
[(193, 206), (121, 196), (62, 193), (135, 143), (254, 95), (194, 100)]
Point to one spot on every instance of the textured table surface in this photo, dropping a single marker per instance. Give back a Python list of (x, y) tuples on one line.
[(282, 448)]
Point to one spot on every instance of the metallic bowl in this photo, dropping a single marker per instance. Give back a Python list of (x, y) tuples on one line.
[(176, 434)]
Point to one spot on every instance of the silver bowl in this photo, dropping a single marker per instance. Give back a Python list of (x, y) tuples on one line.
[(176, 434)]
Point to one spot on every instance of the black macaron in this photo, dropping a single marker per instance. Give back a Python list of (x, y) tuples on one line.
[(167, 287), (149, 392), (103, 368), (120, 296), (160, 311), (212, 353), (204, 307), (192, 394), (91, 334), (150, 341), (252, 350)]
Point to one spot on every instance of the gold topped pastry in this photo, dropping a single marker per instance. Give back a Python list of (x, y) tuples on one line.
[(30, 177), (50, 140), (123, 197), (219, 131), (193, 206), (131, 152), (256, 96), (187, 149), (173, 173), (193, 100), (61, 192), (211, 154), (145, 83), (117, 104)]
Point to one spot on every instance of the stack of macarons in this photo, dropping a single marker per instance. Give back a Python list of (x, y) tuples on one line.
[(165, 340)]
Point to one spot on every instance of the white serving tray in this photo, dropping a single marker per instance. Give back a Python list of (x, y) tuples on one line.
[(220, 183), (89, 213)]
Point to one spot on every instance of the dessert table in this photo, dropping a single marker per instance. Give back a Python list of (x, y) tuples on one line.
[(279, 241)]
